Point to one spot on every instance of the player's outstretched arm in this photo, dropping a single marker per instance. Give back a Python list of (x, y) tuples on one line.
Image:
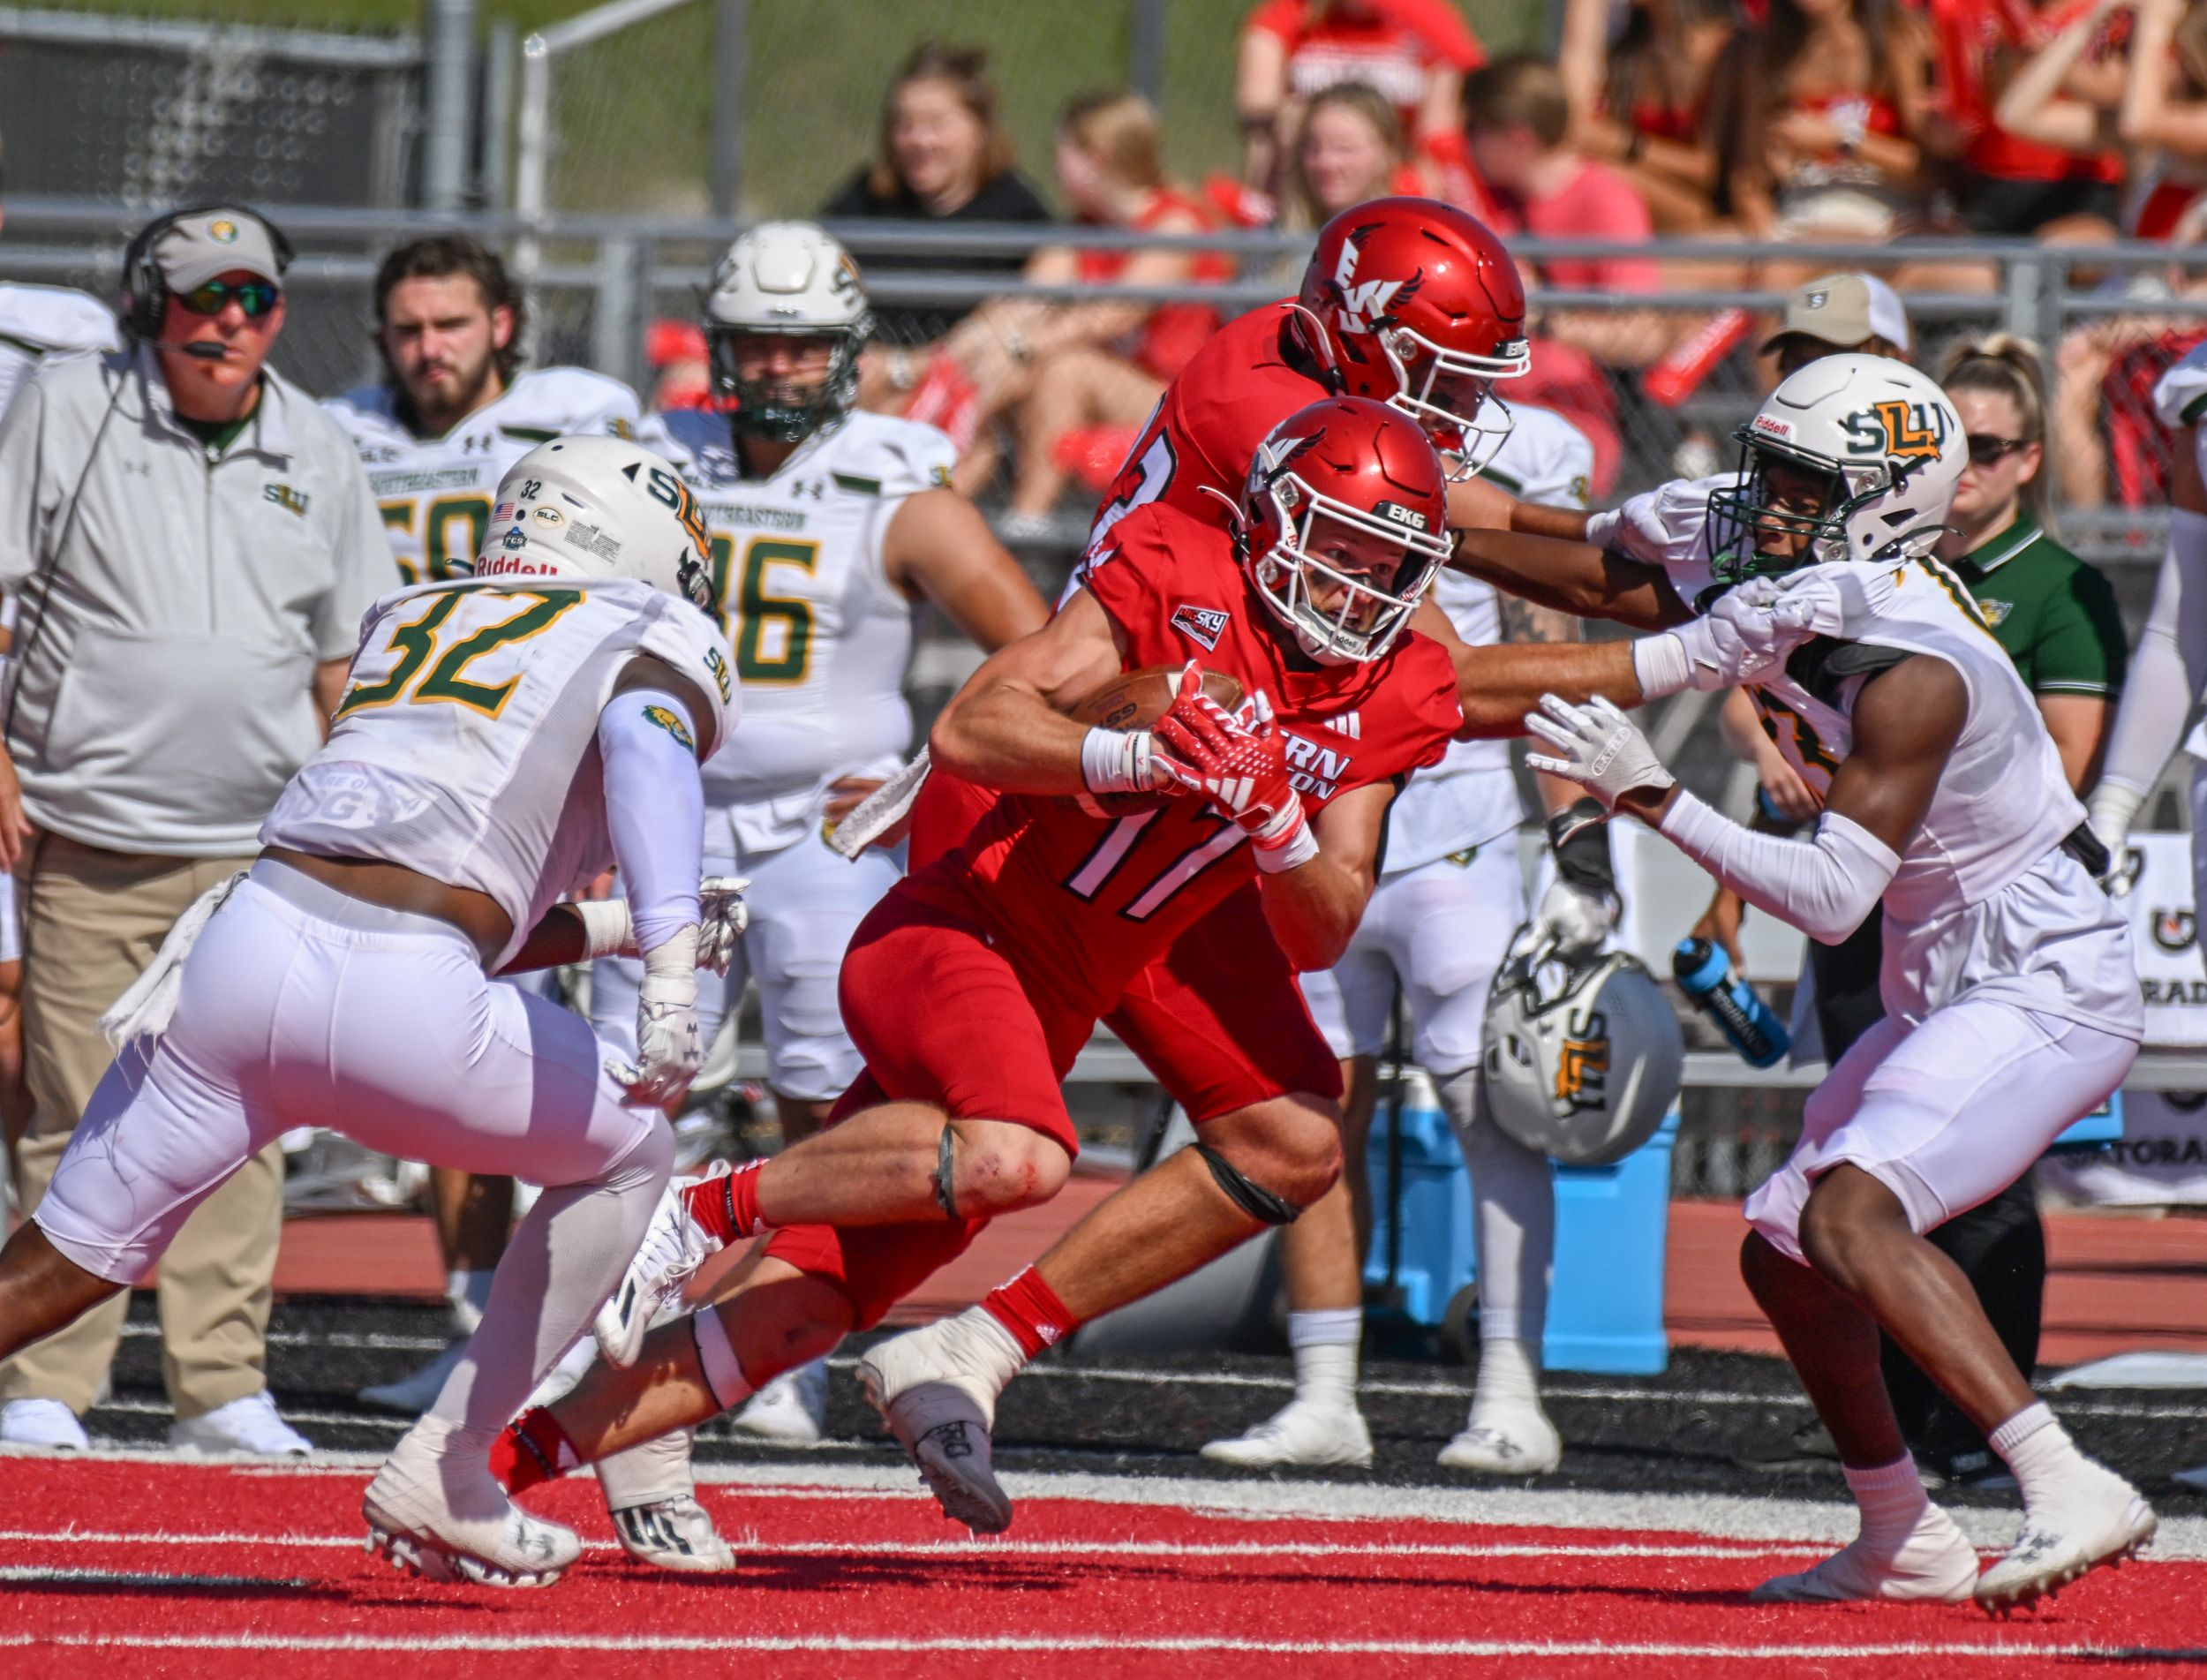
[(1314, 910), (1573, 576), (937, 546), (1497, 685), (1007, 727)]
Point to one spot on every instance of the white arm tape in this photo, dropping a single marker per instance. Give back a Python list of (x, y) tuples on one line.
[(2170, 665), (1111, 762), (1825, 888), (1661, 665), (606, 929), (655, 813)]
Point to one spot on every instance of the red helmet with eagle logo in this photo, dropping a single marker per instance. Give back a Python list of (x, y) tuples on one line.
[(1342, 526), (1416, 304)]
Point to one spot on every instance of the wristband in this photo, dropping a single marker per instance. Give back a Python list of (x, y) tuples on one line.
[(606, 931), (1578, 837), (675, 957), (1296, 850), (1111, 762), (1661, 666), (1601, 527)]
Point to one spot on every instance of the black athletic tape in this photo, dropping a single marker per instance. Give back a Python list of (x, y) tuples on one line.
[(1582, 860), (1252, 1198), (946, 1171)]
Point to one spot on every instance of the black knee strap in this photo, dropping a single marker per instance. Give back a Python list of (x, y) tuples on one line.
[(1252, 1198), (946, 1171)]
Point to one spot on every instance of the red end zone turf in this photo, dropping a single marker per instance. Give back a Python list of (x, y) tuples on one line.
[(159, 1569)]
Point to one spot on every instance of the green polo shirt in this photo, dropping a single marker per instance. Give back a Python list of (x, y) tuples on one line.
[(2055, 614)]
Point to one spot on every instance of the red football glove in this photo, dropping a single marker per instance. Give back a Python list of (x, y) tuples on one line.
[(1240, 766)]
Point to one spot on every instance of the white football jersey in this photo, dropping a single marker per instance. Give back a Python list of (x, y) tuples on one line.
[(1471, 797), (39, 322), (466, 745), (435, 493), (1985, 900), (821, 635)]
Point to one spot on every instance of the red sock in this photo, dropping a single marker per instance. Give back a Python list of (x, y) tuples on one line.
[(533, 1449), (1030, 1309), (728, 1207)]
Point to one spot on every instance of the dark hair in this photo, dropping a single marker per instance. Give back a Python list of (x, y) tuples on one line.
[(1520, 88), (438, 256), (1647, 63), (966, 71), (1749, 87)]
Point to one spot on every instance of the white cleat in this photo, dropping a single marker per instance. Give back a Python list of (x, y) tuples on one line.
[(1936, 1564), (45, 1426), (2104, 1523), (673, 1246), (1520, 1441), (791, 1410), (936, 1392), (441, 1515), (250, 1426), (1300, 1432), (415, 1393), (674, 1533)]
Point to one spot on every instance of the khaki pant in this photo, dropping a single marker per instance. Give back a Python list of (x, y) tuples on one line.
[(92, 921)]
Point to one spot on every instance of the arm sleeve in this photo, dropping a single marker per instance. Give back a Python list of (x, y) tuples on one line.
[(655, 809), (2171, 664), (360, 560), (2081, 648), (1825, 888)]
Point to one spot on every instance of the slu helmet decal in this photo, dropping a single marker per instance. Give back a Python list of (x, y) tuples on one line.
[(1897, 430)]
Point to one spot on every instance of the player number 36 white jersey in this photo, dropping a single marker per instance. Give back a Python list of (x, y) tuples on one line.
[(821, 637), (465, 747)]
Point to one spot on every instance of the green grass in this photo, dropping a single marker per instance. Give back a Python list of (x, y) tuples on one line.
[(634, 111)]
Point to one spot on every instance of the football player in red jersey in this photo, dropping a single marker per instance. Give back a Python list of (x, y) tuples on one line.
[(974, 982)]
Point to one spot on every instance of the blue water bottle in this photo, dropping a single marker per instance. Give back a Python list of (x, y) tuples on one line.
[(1705, 974)]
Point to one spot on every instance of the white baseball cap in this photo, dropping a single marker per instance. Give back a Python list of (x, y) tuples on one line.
[(1845, 311)]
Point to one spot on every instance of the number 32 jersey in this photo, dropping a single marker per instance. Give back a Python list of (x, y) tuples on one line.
[(435, 493), (821, 634), (1082, 902), (466, 744)]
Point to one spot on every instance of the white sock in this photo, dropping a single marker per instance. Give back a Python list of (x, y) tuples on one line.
[(468, 1292), (1892, 1499), (1325, 1344), (1508, 1374), (2039, 1449)]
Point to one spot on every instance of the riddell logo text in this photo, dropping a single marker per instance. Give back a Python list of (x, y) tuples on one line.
[(506, 566)]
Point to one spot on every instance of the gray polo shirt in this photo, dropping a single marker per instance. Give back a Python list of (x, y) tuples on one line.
[(166, 688)]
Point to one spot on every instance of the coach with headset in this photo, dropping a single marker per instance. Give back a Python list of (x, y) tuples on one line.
[(193, 545)]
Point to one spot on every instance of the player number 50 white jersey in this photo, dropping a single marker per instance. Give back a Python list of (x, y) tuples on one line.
[(466, 745)]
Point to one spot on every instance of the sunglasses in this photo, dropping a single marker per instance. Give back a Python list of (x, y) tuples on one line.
[(1986, 451), (256, 297)]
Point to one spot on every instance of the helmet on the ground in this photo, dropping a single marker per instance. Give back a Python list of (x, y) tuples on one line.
[(1338, 486), (1852, 457), (1414, 303), (1583, 1060), (786, 278), (598, 507)]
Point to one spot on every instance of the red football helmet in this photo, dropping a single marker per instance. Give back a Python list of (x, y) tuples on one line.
[(1417, 304), (1343, 522)]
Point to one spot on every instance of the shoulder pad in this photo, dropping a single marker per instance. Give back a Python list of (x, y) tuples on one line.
[(1551, 460), (878, 455), (683, 436), (55, 318), (2180, 398), (567, 401), (364, 412)]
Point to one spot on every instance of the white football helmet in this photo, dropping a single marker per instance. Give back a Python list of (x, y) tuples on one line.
[(594, 508), (1583, 1060), (1883, 449), (789, 278)]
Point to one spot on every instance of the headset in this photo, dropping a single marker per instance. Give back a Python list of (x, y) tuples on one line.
[(144, 290)]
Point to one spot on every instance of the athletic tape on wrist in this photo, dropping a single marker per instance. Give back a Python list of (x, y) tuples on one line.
[(1661, 665), (717, 1363)]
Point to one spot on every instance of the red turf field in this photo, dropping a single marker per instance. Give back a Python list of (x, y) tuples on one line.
[(163, 1569)]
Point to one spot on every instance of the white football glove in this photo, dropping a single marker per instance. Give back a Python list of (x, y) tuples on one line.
[(1666, 526), (1748, 631), (1598, 747), (669, 1051), (722, 917), (2110, 810)]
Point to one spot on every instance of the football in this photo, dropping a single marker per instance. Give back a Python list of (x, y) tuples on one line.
[(1136, 699)]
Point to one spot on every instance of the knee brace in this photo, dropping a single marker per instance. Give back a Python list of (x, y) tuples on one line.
[(946, 1174), (1252, 1198)]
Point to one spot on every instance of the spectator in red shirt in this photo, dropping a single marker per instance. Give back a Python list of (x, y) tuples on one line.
[(1638, 79), (1518, 121), (1415, 52)]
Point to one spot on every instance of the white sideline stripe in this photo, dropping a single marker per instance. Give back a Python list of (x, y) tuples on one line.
[(1726, 1516), (935, 1548), (2000, 1650), (29, 1574)]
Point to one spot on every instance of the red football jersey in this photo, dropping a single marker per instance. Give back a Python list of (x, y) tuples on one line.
[(1251, 374), (1082, 902)]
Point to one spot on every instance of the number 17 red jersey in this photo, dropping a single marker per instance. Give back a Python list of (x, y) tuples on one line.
[(1082, 902)]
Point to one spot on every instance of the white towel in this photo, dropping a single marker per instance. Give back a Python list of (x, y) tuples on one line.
[(880, 810), (147, 1008)]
